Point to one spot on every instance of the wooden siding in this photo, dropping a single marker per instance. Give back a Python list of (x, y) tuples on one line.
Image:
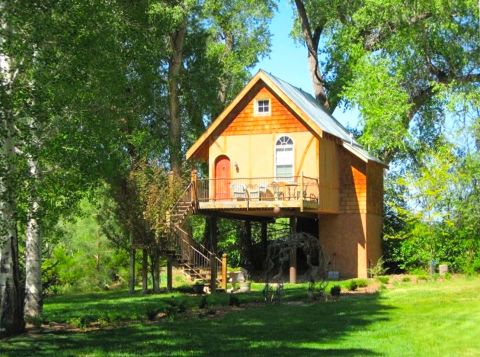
[(280, 119), (343, 240), (375, 188), (329, 175), (353, 183)]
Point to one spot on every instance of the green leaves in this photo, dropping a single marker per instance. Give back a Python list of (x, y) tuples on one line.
[(383, 103)]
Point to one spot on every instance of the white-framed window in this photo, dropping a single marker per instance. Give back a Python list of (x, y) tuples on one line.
[(262, 106), (284, 159)]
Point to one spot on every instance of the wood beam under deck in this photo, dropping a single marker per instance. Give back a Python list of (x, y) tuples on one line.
[(243, 216)]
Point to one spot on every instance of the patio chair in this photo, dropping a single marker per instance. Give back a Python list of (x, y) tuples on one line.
[(257, 192), (239, 190)]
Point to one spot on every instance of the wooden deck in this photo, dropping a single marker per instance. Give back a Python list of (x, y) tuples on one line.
[(265, 196), (233, 204)]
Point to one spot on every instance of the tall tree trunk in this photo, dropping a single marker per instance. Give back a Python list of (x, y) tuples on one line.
[(131, 281), (156, 271), (33, 251), (177, 39), (145, 271), (11, 304), (11, 301), (312, 38)]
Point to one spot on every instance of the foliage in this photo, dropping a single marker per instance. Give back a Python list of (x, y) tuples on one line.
[(393, 68), (82, 258), (352, 285), (440, 220), (361, 283), (335, 291), (384, 279), (378, 269)]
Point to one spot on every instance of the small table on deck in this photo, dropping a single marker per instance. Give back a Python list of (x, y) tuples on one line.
[(290, 186)]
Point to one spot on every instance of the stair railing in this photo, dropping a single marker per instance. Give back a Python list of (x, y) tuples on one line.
[(195, 253)]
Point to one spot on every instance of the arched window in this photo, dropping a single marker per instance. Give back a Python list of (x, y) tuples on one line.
[(284, 159)]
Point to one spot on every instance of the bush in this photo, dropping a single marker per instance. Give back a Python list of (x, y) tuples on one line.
[(174, 308), (362, 283), (378, 268), (406, 279), (335, 291), (383, 279), (36, 321), (82, 322), (352, 285)]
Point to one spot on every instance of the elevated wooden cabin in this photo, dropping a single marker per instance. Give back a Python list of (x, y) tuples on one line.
[(275, 152)]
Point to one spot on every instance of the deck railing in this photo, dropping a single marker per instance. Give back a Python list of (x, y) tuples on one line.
[(295, 188)]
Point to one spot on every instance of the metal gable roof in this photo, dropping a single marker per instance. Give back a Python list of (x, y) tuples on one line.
[(325, 121)]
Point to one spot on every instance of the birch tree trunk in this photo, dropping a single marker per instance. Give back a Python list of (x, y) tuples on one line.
[(11, 309), (33, 250)]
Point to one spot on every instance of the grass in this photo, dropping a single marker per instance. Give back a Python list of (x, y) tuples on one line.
[(428, 318)]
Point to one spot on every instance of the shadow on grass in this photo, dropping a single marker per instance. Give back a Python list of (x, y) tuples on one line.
[(283, 329)]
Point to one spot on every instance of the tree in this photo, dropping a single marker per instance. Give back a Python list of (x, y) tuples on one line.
[(11, 306), (426, 46)]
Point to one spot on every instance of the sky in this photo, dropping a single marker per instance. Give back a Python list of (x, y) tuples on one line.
[(288, 60)]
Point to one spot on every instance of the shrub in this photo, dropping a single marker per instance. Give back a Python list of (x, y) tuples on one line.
[(383, 279), (378, 268), (352, 285), (74, 322), (82, 322), (335, 291), (174, 308), (104, 321), (362, 283), (36, 321)]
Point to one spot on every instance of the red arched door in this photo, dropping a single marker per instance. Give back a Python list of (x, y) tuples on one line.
[(222, 178)]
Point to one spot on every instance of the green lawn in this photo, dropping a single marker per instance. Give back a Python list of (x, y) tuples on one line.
[(428, 319)]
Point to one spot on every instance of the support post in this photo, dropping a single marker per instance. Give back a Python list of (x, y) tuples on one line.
[(302, 190), (264, 234), (247, 246), (212, 232), (213, 247), (293, 252), (213, 272), (224, 272), (193, 190), (293, 266), (131, 282), (169, 272)]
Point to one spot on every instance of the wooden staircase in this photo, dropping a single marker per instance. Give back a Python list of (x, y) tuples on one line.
[(192, 257)]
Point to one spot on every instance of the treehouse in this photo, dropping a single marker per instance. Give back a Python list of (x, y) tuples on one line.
[(275, 152)]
